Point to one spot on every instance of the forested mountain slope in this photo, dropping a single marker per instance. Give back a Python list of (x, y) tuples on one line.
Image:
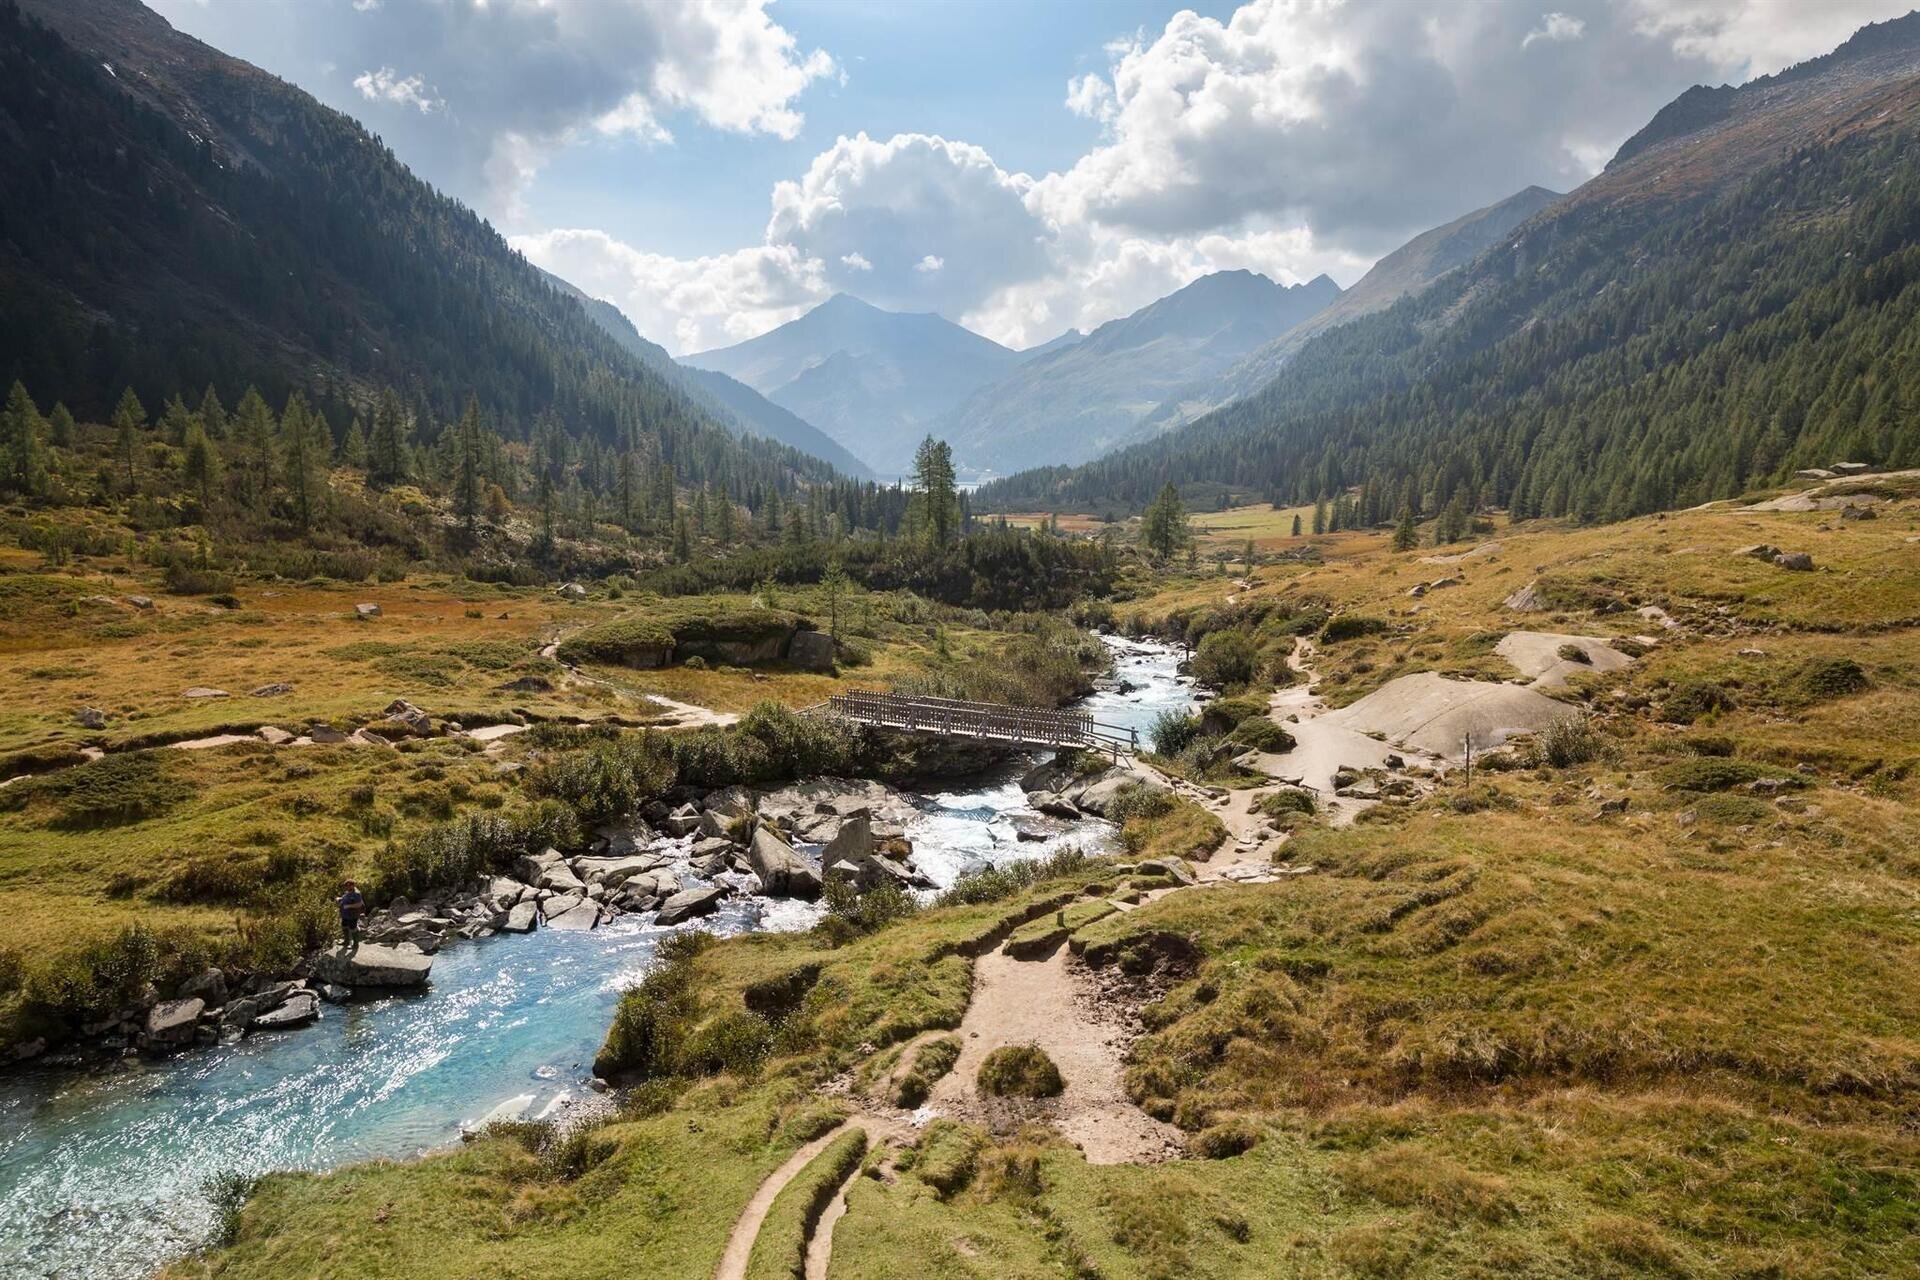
[(173, 218), (1077, 401), (1722, 305)]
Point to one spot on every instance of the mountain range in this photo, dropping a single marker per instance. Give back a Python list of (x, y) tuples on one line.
[(1735, 296), (1079, 399), (876, 381)]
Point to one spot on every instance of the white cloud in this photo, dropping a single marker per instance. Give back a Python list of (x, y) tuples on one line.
[(1090, 96), (1296, 137), (1555, 28), (387, 85)]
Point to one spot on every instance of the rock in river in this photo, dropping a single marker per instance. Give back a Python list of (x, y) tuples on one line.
[(297, 1010), (174, 1021), (689, 903), (369, 965), (783, 873)]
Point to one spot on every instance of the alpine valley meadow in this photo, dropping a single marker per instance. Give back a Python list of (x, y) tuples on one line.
[(1304, 664)]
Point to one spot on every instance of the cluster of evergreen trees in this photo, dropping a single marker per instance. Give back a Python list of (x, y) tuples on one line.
[(1622, 357)]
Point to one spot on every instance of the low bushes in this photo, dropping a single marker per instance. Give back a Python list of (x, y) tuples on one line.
[(625, 641), (996, 884), (606, 779), (771, 743), (477, 844), (1689, 700), (1287, 800), (946, 1156), (1172, 731), (1020, 1071), (1262, 734), (1224, 658), (1821, 679), (109, 792), (1351, 626), (1709, 773), (656, 1030)]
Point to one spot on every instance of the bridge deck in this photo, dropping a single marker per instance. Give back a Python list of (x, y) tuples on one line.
[(987, 721)]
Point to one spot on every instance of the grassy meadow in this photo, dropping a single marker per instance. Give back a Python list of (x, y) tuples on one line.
[(1649, 1011)]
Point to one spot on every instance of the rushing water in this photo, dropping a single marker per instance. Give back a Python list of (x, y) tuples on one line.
[(104, 1175)]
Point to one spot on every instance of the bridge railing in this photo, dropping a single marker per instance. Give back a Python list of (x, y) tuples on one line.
[(1027, 726)]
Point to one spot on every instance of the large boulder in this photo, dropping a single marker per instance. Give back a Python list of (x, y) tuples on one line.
[(366, 610), (689, 903), (683, 821), (1096, 796), (1526, 600), (811, 651), (416, 720), (560, 878), (175, 1021), (583, 915), (522, 918), (730, 802), (783, 873), (297, 1010), (530, 867), (614, 872), (623, 837), (369, 965), (90, 718), (209, 984), (1798, 561)]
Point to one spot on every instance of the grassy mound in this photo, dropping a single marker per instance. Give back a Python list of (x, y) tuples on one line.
[(1020, 1071)]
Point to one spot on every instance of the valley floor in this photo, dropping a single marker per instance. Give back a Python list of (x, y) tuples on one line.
[(1639, 996)]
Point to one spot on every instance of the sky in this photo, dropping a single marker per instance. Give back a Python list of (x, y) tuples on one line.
[(717, 167)]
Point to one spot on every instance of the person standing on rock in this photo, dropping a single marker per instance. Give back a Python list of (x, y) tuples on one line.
[(352, 907)]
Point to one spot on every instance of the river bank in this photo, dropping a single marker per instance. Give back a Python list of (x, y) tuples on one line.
[(104, 1174)]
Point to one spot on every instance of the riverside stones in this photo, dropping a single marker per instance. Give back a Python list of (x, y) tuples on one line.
[(583, 915), (175, 1021), (522, 918), (297, 1010), (273, 735), (783, 873), (371, 965)]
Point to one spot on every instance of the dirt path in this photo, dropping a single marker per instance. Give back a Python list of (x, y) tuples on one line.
[(746, 1228), (1051, 1003)]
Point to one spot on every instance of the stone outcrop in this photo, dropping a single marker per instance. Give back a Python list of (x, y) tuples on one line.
[(370, 965), (299, 1008), (173, 1022), (811, 651)]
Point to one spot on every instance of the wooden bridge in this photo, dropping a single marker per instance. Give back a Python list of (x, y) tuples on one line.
[(987, 721)]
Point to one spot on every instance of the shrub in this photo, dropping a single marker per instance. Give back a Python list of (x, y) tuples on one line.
[(608, 778), (770, 743), (1707, 773), (1020, 1071), (946, 1156), (1224, 1140), (1262, 734), (1565, 743), (474, 845), (1172, 731), (185, 580), (1819, 679), (1350, 626), (1224, 658), (1689, 700), (1574, 653), (635, 641), (1222, 715), (1287, 800), (852, 914), (1136, 800), (655, 1018), (995, 884)]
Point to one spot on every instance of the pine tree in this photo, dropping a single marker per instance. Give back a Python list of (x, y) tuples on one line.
[(834, 585), (201, 464), (129, 419), (213, 414), (935, 491), (304, 466), (353, 449), (253, 441), (1249, 555), (22, 437), (60, 426), (1405, 535), (1296, 524), (682, 540), (466, 477), (387, 445), (174, 421), (723, 516), (1163, 530), (1319, 516)]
